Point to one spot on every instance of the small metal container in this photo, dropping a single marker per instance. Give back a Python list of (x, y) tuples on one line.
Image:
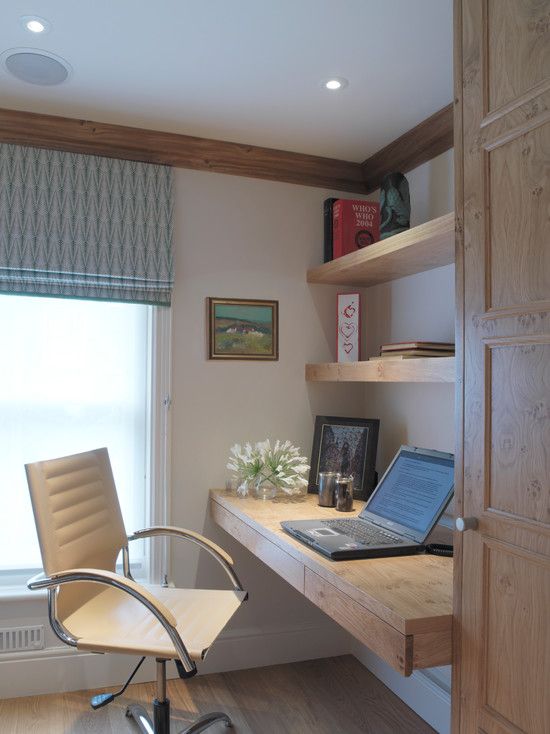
[(327, 488), (344, 494)]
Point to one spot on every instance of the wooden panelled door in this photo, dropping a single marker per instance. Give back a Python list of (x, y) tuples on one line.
[(502, 592)]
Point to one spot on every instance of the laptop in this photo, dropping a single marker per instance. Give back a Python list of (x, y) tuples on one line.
[(398, 517)]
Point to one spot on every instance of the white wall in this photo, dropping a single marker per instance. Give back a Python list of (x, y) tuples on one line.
[(239, 237), (419, 307)]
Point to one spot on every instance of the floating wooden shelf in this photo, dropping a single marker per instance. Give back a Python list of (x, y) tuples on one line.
[(430, 245), (427, 369)]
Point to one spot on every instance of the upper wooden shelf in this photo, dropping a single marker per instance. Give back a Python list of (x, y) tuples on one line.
[(423, 369), (430, 245)]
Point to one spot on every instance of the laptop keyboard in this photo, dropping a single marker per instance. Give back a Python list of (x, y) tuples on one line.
[(363, 533)]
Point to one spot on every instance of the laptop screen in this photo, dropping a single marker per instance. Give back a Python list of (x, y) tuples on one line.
[(414, 491)]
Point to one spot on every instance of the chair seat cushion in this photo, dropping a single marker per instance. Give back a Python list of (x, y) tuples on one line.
[(113, 621)]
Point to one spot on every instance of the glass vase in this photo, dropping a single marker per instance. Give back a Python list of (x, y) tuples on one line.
[(265, 489)]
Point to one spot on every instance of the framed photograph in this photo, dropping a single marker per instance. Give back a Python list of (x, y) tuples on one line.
[(348, 446), (242, 328)]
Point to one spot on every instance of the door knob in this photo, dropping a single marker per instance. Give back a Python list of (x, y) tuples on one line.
[(466, 523)]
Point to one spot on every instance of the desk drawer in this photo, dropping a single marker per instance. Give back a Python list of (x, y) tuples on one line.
[(392, 646), (281, 562)]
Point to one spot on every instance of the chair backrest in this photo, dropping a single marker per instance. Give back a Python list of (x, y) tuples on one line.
[(76, 510)]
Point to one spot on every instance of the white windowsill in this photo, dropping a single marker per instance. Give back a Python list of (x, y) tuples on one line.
[(20, 593)]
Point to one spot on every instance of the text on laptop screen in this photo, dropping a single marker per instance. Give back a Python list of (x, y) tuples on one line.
[(413, 490)]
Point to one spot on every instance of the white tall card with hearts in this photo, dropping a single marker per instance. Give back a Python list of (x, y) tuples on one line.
[(348, 327)]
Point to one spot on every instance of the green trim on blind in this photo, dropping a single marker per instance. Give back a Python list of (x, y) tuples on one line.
[(83, 226)]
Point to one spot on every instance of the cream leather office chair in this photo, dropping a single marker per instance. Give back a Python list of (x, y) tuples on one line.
[(91, 607)]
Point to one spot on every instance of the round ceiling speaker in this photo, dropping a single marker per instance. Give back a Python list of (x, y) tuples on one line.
[(35, 66)]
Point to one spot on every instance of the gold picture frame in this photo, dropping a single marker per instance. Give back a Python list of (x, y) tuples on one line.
[(243, 328)]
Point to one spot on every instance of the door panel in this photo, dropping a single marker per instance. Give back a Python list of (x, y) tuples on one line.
[(519, 201), (520, 431), (516, 629), (502, 141), (518, 48)]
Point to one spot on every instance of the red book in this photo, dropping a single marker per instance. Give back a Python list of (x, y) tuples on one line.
[(355, 224)]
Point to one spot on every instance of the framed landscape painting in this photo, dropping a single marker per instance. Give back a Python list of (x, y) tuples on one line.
[(242, 328)]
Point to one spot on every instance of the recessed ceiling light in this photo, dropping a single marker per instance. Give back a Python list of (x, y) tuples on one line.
[(334, 83), (34, 24)]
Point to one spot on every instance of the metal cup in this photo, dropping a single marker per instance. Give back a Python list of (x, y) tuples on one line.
[(327, 488), (344, 494)]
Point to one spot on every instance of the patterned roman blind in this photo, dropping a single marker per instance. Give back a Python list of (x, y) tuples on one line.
[(84, 226)]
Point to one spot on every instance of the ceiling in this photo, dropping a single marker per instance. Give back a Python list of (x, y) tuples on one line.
[(248, 71)]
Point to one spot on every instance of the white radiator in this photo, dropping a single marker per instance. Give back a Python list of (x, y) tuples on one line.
[(18, 639)]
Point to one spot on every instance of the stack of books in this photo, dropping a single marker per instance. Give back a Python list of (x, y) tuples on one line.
[(412, 350)]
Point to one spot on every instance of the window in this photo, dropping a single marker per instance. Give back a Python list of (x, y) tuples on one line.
[(74, 375)]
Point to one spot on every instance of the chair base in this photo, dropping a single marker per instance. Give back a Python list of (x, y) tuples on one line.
[(162, 719)]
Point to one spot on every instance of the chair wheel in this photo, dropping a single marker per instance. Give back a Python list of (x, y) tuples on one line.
[(128, 713)]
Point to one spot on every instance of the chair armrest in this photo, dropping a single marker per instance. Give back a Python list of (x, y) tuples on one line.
[(139, 592), (218, 553), (182, 533)]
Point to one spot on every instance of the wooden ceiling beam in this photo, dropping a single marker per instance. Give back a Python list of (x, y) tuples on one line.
[(425, 141), (181, 151)]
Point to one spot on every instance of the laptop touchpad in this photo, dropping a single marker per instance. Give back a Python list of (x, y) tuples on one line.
[(320, 532)]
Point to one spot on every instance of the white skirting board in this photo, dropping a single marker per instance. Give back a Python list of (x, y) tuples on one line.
[(426, 692), (58, 669)]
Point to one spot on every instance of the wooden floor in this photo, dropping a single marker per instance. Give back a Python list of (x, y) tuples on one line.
[(330, 696)]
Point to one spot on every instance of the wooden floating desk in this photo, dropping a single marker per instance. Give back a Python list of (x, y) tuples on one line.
[(400, 607)]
